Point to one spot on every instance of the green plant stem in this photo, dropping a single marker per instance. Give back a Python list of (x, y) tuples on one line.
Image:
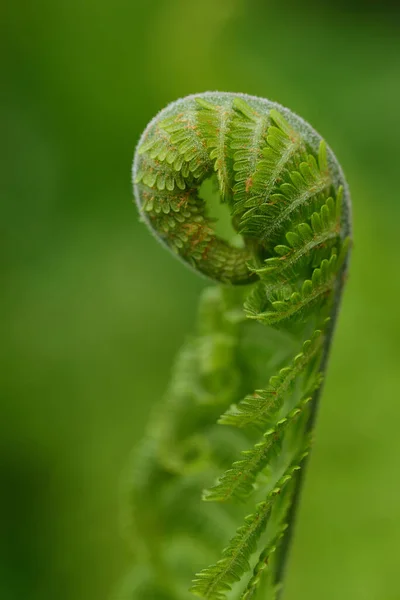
[(284, 552)]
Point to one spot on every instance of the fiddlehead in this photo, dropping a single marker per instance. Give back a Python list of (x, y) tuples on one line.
[(258, 360)]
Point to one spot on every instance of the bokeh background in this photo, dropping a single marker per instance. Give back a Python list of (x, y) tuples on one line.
[(93, 310)]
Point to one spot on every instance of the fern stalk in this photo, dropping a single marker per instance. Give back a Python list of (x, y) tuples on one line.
[(243, 400)]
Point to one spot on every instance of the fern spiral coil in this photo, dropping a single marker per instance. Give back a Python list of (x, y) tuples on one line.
[(242, 402)]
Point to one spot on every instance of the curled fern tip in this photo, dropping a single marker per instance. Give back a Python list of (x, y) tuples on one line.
[(238, 417)]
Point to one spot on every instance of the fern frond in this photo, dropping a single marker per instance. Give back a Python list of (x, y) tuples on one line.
[(248, 137), (261, 408), (284, 190), (214, 121), (238, 481), (261, 567), (186, 143), (306, 244), (159, 175), (213, 582), (304, 190), (300, 304), (282, 144)]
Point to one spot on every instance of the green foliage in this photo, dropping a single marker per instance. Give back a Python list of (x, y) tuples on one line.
[(296, 305), (262, 406), (214, 581), (238, 481), (261, 567), (286, 197), (307, 243), (214, 126), (281, 143)]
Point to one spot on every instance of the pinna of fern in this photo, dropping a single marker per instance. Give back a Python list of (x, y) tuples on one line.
[(238, 417)]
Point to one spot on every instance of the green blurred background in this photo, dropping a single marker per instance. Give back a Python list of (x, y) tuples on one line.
[(93, 309)]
